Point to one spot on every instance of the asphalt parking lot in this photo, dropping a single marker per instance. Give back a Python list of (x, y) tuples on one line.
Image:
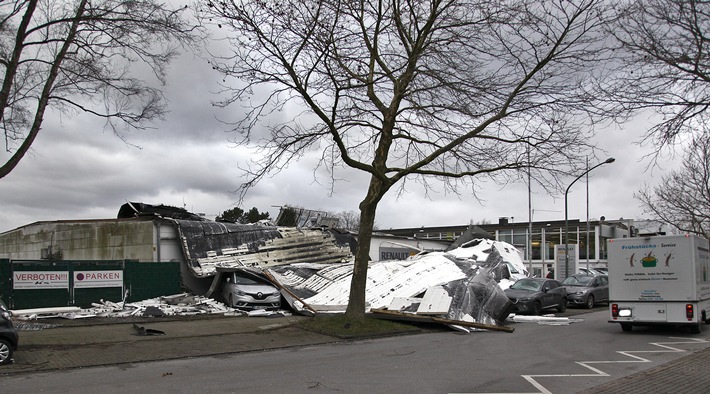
[(97, 342)]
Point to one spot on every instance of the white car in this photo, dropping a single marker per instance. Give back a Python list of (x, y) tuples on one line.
[(244, 291)]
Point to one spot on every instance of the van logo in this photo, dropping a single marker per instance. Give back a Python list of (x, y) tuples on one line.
[(649, 260)]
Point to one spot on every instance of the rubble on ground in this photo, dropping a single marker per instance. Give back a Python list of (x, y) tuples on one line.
[(550, 320), (174, 305)]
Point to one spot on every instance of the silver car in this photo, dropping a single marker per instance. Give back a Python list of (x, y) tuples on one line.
[(243, 291), (587, 290)]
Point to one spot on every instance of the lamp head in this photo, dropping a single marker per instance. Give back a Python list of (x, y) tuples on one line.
[(610, 160)]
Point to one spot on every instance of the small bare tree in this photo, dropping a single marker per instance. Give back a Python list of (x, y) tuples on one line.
[(443, 91), (682, 199), (348, 220), (664, 54), (75, 56)]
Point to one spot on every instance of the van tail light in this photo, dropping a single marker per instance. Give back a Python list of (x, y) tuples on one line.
[(614, 310), (689, 311)]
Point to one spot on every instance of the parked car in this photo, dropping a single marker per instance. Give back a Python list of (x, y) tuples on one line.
[(8, 335), (533, 295), (587, 290), (243, 291), (590, 271)]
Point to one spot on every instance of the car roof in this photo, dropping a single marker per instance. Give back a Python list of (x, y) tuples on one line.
[(588, 276), (538, 279)]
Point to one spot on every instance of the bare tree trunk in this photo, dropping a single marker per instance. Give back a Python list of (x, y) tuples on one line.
[(368, 210)]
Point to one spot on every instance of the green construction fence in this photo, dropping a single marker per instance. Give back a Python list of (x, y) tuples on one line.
[(29, 284)]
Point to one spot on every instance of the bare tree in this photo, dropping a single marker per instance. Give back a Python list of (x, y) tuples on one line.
[(664, 53), (349, 220), (441, 92), (76, 56), (682, 199)]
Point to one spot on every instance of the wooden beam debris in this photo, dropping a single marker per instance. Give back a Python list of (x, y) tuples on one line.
[(393, 315)]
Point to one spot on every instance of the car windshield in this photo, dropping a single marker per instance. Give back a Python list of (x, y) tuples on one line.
[(512, 268), (526, 284), (577, 280), (243, 280)]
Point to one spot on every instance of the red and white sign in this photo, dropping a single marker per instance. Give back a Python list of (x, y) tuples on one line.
[(40, 280), (84, 279)]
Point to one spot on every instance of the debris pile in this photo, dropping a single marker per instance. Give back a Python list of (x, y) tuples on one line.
[(175, 305), (461, 290)]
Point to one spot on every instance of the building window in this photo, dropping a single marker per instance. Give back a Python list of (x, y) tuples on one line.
[(553, 237), (536, 245), (505, 236), (585, 244)]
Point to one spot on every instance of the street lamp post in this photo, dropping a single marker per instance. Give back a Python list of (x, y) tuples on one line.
[(607, 161)]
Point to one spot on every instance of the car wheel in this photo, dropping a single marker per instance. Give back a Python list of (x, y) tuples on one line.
[(626, 327), (537, 308), (5, 352), (563, 306), (590, 302)]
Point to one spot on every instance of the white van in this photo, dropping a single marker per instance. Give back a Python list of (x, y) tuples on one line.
[(659, 280)]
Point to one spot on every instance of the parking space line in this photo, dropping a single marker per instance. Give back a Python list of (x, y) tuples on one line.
[(632, 354)]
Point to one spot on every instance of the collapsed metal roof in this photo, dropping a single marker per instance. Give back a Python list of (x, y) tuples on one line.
[(209, 245), (314, 268), (471, 286)]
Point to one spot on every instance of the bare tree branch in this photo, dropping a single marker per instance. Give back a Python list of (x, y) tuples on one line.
[(435, 91), (664, 66), (76, 56), (682, 199)]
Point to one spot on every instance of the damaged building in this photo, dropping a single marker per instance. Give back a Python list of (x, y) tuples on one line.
[(311, 267), (149, 234)]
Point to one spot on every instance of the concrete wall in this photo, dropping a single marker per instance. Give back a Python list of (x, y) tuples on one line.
[(111, 239)]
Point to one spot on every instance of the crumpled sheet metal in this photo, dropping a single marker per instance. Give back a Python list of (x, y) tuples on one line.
[(473, 286), (290, 246), (478, 299), (329, 285), (479, 249)]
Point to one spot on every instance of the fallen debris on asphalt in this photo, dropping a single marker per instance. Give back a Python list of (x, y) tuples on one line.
[(142, 331), (545, 319), (174, 305)]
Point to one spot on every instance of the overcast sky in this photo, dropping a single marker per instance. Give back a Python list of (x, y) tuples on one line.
[(77, 170)]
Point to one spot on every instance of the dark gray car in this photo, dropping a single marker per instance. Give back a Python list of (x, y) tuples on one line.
[(587, 290), (533, 295), (8, 335)]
